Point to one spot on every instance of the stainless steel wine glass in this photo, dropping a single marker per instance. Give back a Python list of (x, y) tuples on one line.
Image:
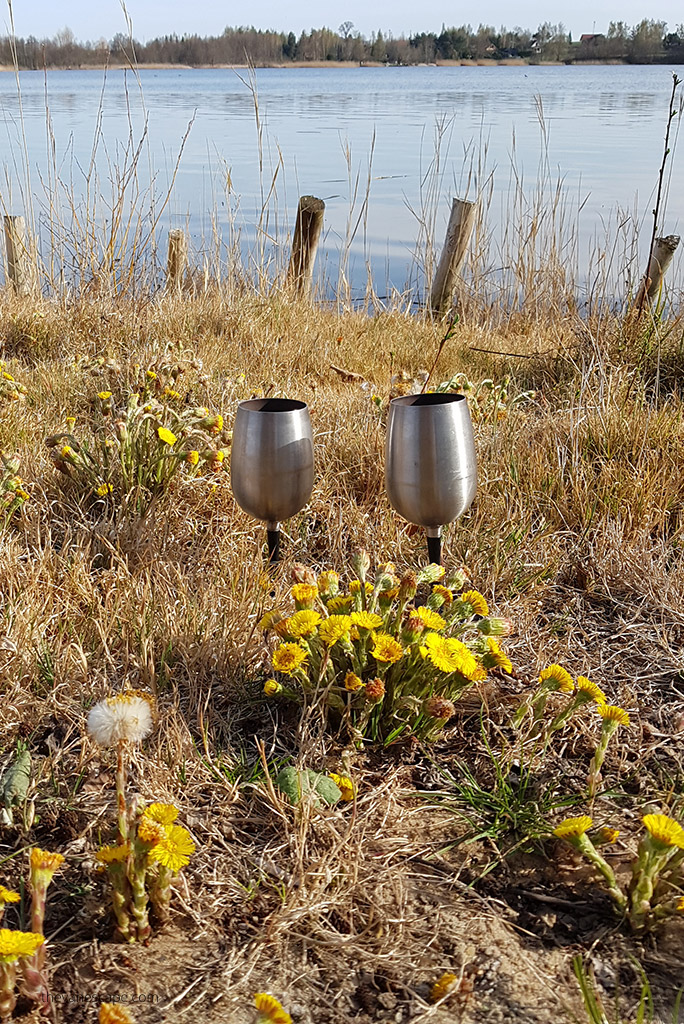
[(271, 462), (430, 462)]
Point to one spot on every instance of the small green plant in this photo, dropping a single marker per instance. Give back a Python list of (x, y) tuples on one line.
[(655, 888), (508, 807), (487, 400), (134, 452), (596, 1013), (14, 783), (379, 663), (12, 493), (298, 784), (10, 389)]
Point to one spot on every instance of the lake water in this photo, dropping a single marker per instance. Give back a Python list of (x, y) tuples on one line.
[(335, 133)]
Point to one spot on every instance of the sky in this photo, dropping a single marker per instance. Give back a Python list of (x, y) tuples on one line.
[(104, 18)]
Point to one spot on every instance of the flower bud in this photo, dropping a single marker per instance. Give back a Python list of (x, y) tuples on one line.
[(492, 626), (328, 584), (407, 587), (361, 564), (439, 707), (412, 629), (435, 601), (375, 690), (301, 574)]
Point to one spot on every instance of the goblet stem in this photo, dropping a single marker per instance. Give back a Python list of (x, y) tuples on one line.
[(434, 543), (273, 538)]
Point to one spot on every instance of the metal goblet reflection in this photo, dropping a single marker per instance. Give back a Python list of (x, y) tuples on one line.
[(271, 462), (430, 462)]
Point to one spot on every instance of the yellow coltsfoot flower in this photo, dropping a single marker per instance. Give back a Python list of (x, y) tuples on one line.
[(386, 649), (174, 850), (8, 896), (555, 677), (613, 713), (44, 865), (495, 657), (345, 786), (269, 620), (15, 945), (114, 1013), (430, 619), (270, 1010), (590, 691), (166, 435), (334, 628), (113, 854), (288, 658), (443, 986), (151, 832), (473, 603), (301, 624), (573, 828), (352, 683), (304, 595), (665, 831), (366, 620), (164, 814)]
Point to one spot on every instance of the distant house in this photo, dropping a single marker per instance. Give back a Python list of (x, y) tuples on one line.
[(587, 38)]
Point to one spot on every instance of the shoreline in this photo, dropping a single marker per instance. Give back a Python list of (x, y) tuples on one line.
[(322, 64)]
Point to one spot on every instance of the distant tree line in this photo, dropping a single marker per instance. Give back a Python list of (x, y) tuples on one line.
[(645, 43)]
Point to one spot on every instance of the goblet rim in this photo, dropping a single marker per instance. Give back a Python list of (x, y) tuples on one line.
[(274, 406), (429, 400)]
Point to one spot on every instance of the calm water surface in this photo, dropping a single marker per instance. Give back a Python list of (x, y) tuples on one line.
[(602, 128)]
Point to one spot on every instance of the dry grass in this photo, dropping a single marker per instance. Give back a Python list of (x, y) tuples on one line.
[(350, 914)]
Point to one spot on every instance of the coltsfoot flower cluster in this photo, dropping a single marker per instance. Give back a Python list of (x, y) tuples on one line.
[(13, 494), (151, 848), (135, 448), (654, 890), (384, 663), (142, 868), (555, 679), (22, 954)]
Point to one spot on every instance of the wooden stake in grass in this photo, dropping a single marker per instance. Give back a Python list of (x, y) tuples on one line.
[(648, 287), (176, 261), (661, 258), (20, 269), (305, 243), (459, 230)]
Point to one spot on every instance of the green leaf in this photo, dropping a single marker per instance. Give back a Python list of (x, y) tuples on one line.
[(296, 784), (15, 782)]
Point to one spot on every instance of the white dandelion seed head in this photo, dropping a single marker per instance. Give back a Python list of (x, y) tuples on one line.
[(124, 717)]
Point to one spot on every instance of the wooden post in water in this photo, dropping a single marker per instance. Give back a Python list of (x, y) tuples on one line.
[(661, 258), (305, 243), (176, 260), (459, 230), (20, 268)]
